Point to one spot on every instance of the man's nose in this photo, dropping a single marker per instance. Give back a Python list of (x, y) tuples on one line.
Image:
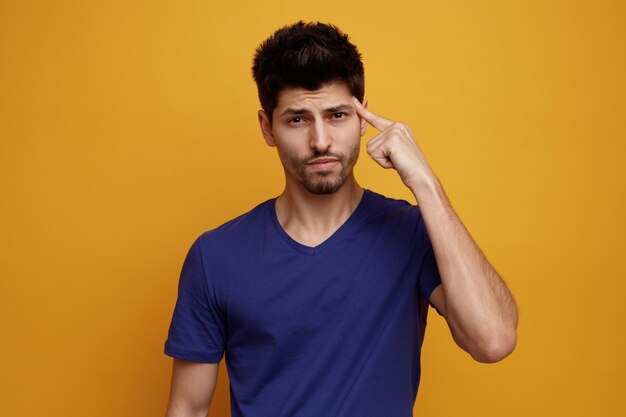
[(320, 139)]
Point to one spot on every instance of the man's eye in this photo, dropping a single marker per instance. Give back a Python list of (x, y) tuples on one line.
[(296, 120), (339, 115)]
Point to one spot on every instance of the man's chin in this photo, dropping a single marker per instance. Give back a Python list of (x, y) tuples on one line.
[(323, 186), (322, 190)]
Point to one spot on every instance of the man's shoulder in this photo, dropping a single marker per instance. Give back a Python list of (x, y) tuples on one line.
[(240, 227), (381, 204), (397, 217)]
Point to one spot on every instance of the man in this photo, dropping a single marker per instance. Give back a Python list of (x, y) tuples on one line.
[(318, 298)]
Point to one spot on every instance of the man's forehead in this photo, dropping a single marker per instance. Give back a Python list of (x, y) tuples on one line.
[(329, 95)]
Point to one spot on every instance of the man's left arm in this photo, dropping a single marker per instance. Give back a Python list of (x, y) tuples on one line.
[(473, 298)]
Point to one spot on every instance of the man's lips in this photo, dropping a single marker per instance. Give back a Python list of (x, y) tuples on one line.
[(323, 163)]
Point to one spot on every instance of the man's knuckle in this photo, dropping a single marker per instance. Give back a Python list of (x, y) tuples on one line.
[(397, 127)]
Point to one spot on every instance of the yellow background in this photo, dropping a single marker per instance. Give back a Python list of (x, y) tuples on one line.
[(129, 127)]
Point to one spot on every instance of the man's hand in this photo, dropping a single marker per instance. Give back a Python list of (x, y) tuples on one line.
[(395, 147)]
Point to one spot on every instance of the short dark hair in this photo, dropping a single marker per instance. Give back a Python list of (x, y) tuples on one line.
[(306, 55)]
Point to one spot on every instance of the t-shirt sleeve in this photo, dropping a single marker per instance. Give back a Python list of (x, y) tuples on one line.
[(429, 277), (197, 330)]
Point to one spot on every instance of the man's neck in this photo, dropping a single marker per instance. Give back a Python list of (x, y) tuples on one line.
[(310, 218)]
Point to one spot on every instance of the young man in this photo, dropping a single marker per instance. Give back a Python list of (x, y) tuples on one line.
[(319, 297)]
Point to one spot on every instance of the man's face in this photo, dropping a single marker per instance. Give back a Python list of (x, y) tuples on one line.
[(317, 134)]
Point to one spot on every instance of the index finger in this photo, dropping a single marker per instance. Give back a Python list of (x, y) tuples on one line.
[(375, 120)]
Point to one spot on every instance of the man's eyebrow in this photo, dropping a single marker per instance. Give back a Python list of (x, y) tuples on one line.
[(339, 108), (292, 111), (334, 109)]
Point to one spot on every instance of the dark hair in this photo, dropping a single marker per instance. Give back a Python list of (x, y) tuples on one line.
[(305, 55)]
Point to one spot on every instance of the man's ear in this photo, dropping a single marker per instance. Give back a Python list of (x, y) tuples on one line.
[(363, 121), (266, 128)]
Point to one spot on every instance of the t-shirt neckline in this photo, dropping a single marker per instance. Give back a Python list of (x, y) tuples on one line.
[(344, 229)]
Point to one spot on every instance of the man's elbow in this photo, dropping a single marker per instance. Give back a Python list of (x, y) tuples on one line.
[(496, 347)]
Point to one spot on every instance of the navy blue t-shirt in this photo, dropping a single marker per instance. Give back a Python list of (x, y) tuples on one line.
[(333, 330)]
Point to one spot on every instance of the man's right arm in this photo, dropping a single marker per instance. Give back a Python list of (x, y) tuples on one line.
[(193, 384)]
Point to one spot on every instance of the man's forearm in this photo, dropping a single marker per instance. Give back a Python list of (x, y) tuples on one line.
[(480, 309)]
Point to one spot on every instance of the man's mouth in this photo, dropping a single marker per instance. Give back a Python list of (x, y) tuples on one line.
[(322, 161), (323, 164)]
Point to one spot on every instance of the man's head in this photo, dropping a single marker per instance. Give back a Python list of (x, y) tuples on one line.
[(305, 55), (307, 74)]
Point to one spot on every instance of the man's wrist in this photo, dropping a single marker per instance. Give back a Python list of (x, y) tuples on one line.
[(429, 192)]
